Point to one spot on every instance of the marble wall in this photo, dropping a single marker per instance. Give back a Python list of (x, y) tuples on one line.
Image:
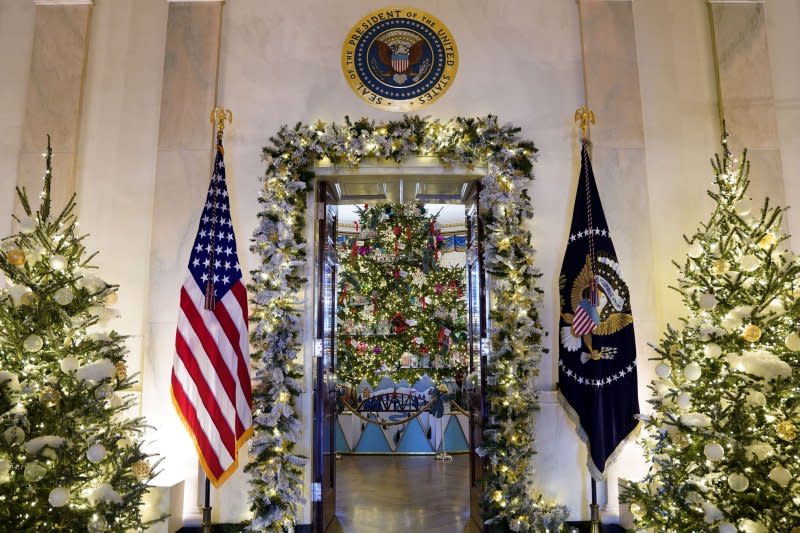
[(129, 91)]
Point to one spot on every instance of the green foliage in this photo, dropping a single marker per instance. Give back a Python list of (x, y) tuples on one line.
[(401, 314), (70, 458), (722, 438)]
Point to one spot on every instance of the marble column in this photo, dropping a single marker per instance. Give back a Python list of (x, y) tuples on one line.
[(182, 173), (117, 152), (783, 20), (681, 130), (620, 167), (53, 102), (747, 99), (16, 33)]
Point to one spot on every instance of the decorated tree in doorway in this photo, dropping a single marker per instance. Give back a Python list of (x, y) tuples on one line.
[(723, 437), (69, 458), (401, 312)]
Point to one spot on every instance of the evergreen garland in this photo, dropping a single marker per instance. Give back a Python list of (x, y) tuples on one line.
[(511, 499)]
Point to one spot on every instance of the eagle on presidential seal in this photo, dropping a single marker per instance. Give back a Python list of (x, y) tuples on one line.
[(606, 313), (401, 53)]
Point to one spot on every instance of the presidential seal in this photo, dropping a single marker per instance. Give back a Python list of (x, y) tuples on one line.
[(399, 59)]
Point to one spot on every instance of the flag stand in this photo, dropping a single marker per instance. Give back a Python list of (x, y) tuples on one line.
[(595, 510), (207, 507), (586, 116)]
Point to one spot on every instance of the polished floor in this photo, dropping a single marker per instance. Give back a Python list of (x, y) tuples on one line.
[(389, 494)]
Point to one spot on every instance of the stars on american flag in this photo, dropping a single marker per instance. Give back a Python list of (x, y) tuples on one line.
[(214, 254), (600, 232), (601, 382)]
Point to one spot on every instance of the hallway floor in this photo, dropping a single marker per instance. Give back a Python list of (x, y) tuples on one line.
[(404, 493)]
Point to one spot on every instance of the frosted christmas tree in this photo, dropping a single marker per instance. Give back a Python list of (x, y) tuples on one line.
[(723, 435), (70, 460)]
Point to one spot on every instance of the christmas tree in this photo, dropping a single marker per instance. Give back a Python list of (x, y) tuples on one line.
[(722, 438), (70, 460), (401, 313)]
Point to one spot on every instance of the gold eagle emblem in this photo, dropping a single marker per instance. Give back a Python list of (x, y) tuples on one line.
[(612, 319)]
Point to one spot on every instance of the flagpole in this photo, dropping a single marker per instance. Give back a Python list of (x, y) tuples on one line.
[(218, 117), (595, 509), (585, 116), (207, 506)]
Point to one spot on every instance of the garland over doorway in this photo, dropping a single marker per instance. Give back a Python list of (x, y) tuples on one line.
[(510, 498)]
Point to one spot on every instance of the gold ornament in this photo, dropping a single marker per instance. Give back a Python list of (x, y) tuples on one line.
[(504, 244), (111, 298), (16, 257), (721, 266), (141, 469), (679, 439), (751, 333), (504, 184), (787, 431), (122, 370), (49, 396), (767, 241)]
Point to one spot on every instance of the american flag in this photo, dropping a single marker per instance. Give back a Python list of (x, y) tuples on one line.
[(586, 318), (210, 374)]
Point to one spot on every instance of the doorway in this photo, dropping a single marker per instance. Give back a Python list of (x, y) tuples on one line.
[(382, 473)]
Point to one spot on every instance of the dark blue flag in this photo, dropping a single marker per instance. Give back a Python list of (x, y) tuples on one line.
[(597, 349)]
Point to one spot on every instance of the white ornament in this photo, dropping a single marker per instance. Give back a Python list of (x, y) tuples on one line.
[(124, 443), (781, 476), (663, 370), (792, 342), (738, 482), (749, 263), (708, 301), (727, 527), (64, 296), (96, 453), (695, 250), (684, 400), (27, 225), (692, 371), (32, 343), (711, 512), (714, 451), (712, 349), (58, 497), (58, 262), (744, 206), (97, 524), (69, 364), (34, 471)]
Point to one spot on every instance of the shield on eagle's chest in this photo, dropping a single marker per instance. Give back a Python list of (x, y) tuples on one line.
[(400, 62)]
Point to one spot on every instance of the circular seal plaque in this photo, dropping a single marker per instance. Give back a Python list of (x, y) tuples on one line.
[(399, 59)]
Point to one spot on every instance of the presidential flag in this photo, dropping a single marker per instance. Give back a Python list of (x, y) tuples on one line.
[(597, 349), (210, 373)]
